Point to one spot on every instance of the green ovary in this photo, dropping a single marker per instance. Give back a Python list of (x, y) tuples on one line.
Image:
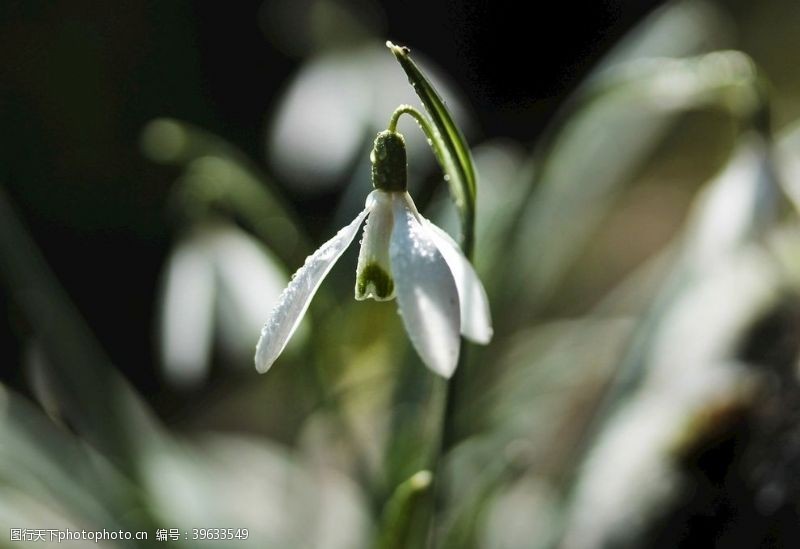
[(374, 282)]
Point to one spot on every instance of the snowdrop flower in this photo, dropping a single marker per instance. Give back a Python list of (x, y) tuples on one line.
[(402, 255)]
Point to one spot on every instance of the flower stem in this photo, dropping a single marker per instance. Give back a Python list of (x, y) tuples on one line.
[(466, 209), (448, 432), (424, 124), (447, 140)]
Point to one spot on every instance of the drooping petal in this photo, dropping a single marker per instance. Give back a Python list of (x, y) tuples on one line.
[(250, 280), (476, 320), (426, 291), (295, 299), (187, 306), (374, 273)]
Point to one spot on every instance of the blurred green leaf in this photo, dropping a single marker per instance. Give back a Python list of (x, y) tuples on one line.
[(94, 398), (219, 176), (610, 139), (45, 468), (677, 29), (401, 524)]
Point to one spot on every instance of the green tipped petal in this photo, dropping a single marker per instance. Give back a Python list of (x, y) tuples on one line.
[(374, 273), (374, 282)]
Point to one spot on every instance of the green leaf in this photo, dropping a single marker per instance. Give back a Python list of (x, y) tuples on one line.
[(404, 520), (93, 397), (219, 176), (449, 145)]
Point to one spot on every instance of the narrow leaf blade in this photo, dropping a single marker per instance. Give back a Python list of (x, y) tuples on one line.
[(456, 158)]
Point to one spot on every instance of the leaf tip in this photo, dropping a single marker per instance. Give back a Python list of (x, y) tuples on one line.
[(399, 51), (420, 481)]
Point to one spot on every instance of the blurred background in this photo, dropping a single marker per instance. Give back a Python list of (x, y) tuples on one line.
[(81, 81), (165, 167)]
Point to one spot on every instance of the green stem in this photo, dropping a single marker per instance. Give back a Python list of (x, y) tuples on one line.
[(448, 438), (448, 433), (437, 145), (434, 139), (467, 244), (448, 142), (423, 122)]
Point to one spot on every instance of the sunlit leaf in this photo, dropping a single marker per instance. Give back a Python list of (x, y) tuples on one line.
[(452, 148)]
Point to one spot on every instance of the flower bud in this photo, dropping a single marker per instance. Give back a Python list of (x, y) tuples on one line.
[(388, 159)]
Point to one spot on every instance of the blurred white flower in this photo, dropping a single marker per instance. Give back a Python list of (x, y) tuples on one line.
[(218, 282), (402, 254), (335, 102)]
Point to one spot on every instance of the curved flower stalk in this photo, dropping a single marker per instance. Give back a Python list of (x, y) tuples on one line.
[(402, 255)]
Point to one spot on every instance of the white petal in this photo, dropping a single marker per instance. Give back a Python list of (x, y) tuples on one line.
[(476, 320), (374, 271), (250, 281), (333, 84), (426, 291), (295, 299), (187, 305)]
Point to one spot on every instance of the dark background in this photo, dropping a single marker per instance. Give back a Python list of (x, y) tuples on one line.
[(79, 80)]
